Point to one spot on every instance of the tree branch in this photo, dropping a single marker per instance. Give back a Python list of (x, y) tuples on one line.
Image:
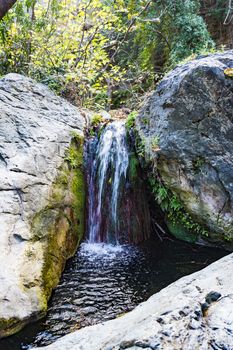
[(121, 42), (229, 15)]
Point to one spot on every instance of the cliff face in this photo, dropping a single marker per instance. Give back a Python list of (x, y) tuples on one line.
[(41, 196), (186, 128)]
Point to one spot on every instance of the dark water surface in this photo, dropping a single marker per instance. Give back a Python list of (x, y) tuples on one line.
[(102, 282)]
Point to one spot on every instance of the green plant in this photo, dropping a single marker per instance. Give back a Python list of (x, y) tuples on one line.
[(133, 166), (174, 208), (155, 143), (100, 53), (74, 154), (130, 121), (140, 145), (76, 136), (96, 120), (145, 121), (198, 163)]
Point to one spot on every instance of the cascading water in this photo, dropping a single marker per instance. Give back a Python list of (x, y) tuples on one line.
[(108, 170), (110, 191)]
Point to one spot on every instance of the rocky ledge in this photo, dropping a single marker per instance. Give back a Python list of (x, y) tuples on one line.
[(41, 196), (195, 312), (186, 133)]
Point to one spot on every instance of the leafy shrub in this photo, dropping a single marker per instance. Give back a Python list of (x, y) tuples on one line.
[(130, 121)]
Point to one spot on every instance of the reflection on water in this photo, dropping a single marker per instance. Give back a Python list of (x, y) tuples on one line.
[(102, 282)]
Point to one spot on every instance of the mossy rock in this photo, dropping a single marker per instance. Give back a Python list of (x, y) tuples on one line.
[(60, 226), (133, 167), (181, 232)]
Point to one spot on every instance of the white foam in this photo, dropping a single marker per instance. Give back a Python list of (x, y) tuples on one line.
[(103, 251)]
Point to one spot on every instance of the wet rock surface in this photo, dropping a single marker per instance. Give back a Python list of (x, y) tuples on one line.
[(187, 129), (35, 131), (172, 319)]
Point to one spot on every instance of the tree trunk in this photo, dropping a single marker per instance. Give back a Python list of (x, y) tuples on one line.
[(5, 6)]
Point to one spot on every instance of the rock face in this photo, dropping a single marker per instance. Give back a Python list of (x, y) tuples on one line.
[(195, 312), (187, 129), (41, 196)]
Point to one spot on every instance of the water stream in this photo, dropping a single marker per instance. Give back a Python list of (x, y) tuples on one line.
[(102, 282), (108, 275), (108, 164)]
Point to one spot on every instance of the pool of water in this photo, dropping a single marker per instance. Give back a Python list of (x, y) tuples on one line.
[(102, 282)]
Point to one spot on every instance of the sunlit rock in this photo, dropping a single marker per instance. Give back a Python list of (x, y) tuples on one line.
[(37, 196)]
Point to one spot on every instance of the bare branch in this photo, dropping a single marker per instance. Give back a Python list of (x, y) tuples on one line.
[(121, 42), (229, 16)]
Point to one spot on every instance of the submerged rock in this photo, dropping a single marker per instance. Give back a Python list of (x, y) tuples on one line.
[(186, 128), (171, 319), (41, 196)]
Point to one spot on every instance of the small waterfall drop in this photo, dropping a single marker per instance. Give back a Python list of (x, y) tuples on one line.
[(117, 206), (107, 173)]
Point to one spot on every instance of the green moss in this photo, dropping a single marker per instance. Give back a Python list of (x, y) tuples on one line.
[(181, 232), (10, 326), (96, 120), (60, 226), (77, 136), (78, 188), (98, 123), (74, 154), (133, 166)]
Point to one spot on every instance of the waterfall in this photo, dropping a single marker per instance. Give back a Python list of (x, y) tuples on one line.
[(109, 166), (113, 212)]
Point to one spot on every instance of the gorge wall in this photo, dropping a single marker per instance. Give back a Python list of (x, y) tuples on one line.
[(41, 197)]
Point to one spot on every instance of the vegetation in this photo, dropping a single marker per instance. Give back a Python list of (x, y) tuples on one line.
[(173, 208), (96, 120), (130, 121), (133, 167), (100, 53)]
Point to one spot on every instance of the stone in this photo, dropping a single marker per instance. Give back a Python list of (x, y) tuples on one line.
[(186, 126), (38, 205), (142, 329)]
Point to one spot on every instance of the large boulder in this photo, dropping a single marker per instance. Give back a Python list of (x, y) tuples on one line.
[(195, 312), (41, 196), (186, 129)]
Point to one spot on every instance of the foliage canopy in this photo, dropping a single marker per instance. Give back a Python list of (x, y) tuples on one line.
[(100, 52)]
